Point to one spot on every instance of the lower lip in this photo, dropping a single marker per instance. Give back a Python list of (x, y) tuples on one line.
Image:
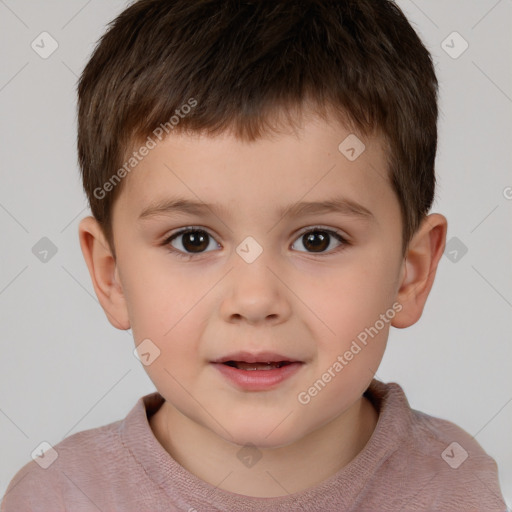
[(258, 380)]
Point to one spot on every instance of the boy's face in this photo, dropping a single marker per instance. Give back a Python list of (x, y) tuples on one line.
[(306, 299)]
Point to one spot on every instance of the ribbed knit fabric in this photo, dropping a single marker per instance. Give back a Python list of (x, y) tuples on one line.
[(405, 466)]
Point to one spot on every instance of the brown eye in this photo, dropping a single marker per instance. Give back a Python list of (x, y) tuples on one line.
[(194, 241), (191, 241), (316, 241), (319, 240)]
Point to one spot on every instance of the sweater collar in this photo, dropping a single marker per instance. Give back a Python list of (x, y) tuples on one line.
[(341, 489)]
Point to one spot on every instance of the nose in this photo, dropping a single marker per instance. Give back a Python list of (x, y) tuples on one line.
[(253, 292)]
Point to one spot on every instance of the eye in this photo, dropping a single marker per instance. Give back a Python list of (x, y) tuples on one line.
[(190, 241), (318, 239)]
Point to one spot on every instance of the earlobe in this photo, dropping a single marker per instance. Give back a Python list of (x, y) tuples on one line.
[(419, 269), (103, 271)]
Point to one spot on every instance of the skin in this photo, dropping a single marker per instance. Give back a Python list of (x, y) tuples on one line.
[(307, 305)]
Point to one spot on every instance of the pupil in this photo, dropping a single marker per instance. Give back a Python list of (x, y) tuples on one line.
[(316, 240), (195, 240)]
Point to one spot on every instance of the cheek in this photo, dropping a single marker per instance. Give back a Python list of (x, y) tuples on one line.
[(359, 287), (174, 329), (349, 303), (160, 298)]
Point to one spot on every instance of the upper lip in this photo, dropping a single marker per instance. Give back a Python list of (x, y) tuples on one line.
[(259, 357)]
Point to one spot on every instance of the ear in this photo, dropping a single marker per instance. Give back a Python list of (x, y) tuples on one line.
[(103, 271), (419, 269)]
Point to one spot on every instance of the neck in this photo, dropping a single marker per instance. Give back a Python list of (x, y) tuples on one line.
[(279, 471)]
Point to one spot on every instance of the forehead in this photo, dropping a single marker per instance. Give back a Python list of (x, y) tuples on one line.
[(317, 162)]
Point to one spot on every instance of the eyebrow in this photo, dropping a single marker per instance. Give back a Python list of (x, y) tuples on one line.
[(179, 205)]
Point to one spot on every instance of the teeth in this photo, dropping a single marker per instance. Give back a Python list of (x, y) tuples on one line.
[(256, 366)]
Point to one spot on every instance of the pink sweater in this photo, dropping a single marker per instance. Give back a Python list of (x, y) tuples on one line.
[(409, 464)]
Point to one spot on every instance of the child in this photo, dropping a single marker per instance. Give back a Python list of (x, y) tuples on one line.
[(291, 145)]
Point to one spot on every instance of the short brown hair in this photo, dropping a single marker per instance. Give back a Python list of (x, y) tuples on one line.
[(247, 62)]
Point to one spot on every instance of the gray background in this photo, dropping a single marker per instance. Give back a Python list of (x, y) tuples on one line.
[(64, 368)]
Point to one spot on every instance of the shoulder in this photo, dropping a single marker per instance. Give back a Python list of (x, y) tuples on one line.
[(47, 482), (447, 465), (450, 446), (464, 476)]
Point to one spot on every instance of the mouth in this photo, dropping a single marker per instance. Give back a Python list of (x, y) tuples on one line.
[(256, 361), (243, 365), (257, 372)]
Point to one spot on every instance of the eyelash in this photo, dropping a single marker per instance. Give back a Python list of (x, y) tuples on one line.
[(188, 256)]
